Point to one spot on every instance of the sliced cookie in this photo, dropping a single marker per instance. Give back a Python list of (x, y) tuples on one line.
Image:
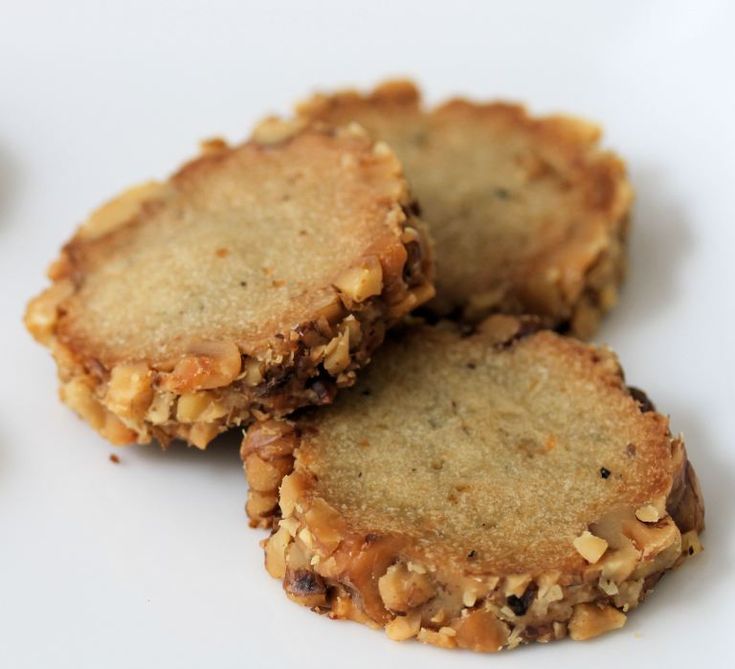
[(529, 215), (477, 491), (255, 280)]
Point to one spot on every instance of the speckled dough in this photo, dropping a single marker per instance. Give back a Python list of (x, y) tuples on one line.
[(257, 279), (476, 491), (528, 214)]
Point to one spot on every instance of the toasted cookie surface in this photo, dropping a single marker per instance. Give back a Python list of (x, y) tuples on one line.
[(528, 214), (476, 491), (255, 280)]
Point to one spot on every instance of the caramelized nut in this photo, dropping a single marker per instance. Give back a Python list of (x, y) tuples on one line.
[(212, 146), (337, 354), (290, 491), (357, 284), (629, 594), (469, 597), (352, 326), (269, 439), (291, 525), (590, 620), (305, 587), (328, 314), (202, 433), (261, 504), (403, 627), (607, 586), (266, 475), (617, 565), (208, 365), (326, 525), (417, 295), (516, 584), (273, 130), (647, 513), (402, 589), (78, 394), (159, 410), (198, 407), (439, 639), (481, 631), (275, 553), (129, 391), (654, 539), (252, 372), (42, 312), (115, 431)]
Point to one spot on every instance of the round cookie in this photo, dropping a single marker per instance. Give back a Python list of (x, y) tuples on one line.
[(528, 214), (476, 491), (255, 280)]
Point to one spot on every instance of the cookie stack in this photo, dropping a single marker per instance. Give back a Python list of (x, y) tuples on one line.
[(490, 480)]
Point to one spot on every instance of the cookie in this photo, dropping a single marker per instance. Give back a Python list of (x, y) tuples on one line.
[(528, 214), (257, 279), (476, 491)]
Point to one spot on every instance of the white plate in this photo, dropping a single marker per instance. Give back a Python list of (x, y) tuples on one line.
[(150, 563)]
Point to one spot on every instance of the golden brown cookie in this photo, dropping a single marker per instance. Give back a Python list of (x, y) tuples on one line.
[(477, 491), (529, 215), (255, 280)]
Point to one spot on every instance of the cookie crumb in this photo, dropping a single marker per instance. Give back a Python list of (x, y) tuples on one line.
[(114, 459)]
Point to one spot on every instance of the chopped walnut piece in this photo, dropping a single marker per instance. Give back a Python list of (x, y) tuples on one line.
[(202, 433), (481, 631), (159, 410), (337, 354), (647, 514), (198, 407), (208, 365), (129, 391), (403, 627), (78, 394), (291, 488), (652, 540), (274, 130), (253, 372), (266, 475), (607, 586), (590, 547), (325, 524), (359, 283), (260, 505), (516, 584), (402, 589), (440, 639), (690, 544), (591, 620), (352, 326), (42, 312), (275, 552), (305, 587), (618, 564)]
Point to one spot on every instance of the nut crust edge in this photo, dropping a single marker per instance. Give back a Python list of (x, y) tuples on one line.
[(380, 581), (216, 386), (571, 305)]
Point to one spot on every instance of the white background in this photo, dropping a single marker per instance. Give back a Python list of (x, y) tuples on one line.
[(150, 563)]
